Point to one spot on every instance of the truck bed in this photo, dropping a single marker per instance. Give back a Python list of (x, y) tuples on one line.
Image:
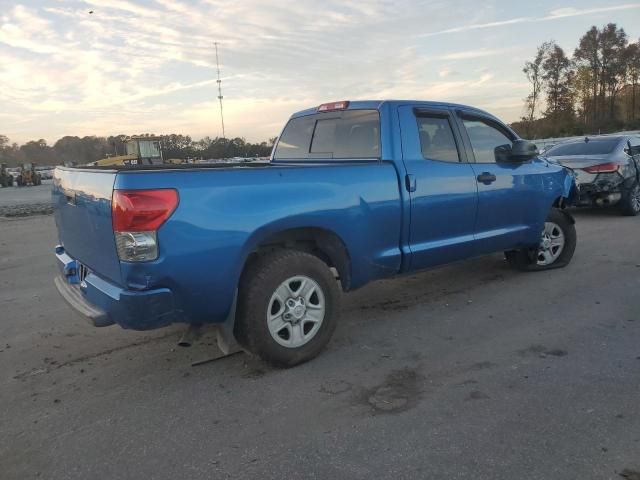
[(168, 166), (224, 212)]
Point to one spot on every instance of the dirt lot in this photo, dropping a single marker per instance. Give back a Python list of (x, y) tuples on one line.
[(469, 371), (23, 201)]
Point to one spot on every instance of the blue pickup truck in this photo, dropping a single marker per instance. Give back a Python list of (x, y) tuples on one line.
[(354, 192)]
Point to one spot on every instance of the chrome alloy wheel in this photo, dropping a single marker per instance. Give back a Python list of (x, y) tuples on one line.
[(551, 244), (296, 311)]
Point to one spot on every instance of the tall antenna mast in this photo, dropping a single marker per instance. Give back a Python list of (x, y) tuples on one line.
[(224, 137)]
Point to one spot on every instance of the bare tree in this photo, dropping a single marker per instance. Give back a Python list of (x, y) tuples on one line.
[(533, 71)]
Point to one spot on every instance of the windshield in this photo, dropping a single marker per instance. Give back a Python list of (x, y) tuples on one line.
[(149, 149), (132, 148), (592, 147)]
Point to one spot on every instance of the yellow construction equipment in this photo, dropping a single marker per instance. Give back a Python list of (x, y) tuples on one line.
[(28, 175), (141, 150)]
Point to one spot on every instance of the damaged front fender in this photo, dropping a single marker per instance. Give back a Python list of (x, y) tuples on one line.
[(570, 193)]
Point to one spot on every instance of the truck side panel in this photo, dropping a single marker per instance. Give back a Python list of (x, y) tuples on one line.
[(224, 215)]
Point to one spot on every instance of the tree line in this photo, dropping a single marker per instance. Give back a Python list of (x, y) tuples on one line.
[(593, 91), (82, 150)]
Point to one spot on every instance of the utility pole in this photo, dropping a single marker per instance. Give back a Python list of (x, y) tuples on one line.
[(219, 81)]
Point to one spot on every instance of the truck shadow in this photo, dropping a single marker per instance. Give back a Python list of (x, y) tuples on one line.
[(427, 287)]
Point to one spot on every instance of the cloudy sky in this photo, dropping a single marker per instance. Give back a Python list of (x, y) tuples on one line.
[(137, 66)]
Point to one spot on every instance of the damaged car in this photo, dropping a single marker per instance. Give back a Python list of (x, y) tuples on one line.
[(607, 170)]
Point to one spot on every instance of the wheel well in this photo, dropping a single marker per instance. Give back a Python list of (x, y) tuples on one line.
[(560, 202), (325, 245)]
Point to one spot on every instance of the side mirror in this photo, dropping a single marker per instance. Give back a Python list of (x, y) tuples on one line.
[(523, 150), (502, 153)]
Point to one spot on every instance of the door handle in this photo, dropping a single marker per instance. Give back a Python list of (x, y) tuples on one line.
[(410, 182), (486, 178)]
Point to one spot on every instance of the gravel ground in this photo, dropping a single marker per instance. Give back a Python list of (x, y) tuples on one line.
[(26, 201), (26, 210), (467, 371)]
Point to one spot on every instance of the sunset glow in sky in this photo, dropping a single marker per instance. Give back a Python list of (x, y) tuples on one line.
[(149, 65)]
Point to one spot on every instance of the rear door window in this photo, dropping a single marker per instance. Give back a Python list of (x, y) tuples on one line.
[(350, 134)]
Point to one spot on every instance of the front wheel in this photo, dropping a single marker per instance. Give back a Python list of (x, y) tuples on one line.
[(555, 250), (288, 305)]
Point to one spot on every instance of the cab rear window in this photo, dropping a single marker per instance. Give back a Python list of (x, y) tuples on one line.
[(352, 134)]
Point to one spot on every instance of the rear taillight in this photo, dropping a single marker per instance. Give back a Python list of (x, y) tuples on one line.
[(136, 217), (609, 167)]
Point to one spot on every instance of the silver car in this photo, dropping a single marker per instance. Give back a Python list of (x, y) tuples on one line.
[(607, 169)]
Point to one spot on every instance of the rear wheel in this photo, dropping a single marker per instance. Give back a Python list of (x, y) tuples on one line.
[(555, 250), (288, 305), (630, 202)]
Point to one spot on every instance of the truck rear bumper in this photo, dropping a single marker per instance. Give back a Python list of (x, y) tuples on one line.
[(103, 303), (72, 295)]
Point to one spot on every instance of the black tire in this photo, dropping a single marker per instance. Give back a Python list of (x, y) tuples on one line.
[(19, 180), (630, 202), (526, 259), (259, 284)]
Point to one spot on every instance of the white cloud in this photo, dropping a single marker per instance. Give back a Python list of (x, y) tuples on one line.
[(135, 65), (553, 15), (447, 72), (468, 54)]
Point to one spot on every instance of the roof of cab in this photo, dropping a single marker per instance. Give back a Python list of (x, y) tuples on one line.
[(377, 104)]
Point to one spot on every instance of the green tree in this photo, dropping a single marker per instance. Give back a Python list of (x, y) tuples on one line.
[(633, 73), (557, 75), (37, 151), (613, 42), (581, 87), (588, 54)]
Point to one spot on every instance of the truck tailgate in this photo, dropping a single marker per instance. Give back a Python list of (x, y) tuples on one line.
[(82, 206)]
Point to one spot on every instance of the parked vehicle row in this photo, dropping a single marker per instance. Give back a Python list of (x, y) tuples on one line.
[(607, 170), (6, 179), (24, 175), (354, 192)]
